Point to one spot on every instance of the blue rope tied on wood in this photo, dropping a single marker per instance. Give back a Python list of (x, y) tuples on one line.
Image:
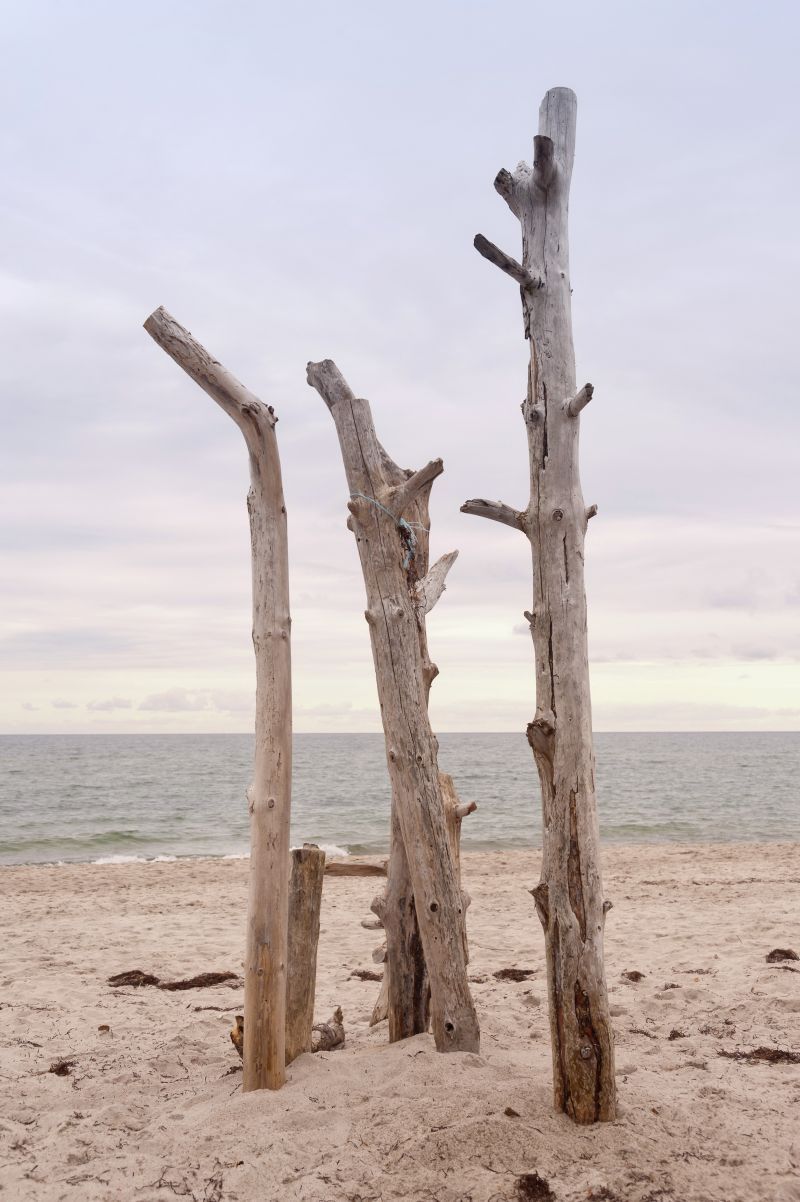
[(407, 528)]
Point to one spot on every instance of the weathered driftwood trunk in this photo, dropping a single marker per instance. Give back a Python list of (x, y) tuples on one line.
[(404, 996), (269, 795), (405, 993), (381, 500), (418, 1012), (569, 898), (305, 900), (455, 811)]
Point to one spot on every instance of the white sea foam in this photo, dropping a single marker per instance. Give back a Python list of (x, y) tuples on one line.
[(333, 851), (120, 860), (136, 859)]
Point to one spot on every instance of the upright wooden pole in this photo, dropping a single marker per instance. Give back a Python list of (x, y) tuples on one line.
[(269, 795), (305, 899), (380, 505), (569, 898)]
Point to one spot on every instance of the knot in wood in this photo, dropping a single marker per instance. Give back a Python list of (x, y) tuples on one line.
[(586, 1051), (558, 515), (271, 803)]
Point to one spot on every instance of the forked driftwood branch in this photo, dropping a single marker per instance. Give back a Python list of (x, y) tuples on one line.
[(423, 911), (269, 795), (569, 897)]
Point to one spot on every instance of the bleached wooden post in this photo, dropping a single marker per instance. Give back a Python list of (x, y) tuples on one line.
[(380, 502), (569, 898), (305, 898), (269, 795)]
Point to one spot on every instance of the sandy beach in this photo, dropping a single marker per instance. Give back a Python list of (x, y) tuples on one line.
[(152, 1107)]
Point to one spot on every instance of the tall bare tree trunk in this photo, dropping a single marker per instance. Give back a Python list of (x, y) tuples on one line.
[(269, 795), (404, 996), (405, 993), (569, 898), (381, 501)]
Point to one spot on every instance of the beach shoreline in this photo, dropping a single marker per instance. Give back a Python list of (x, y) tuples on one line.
[(151, 1108)]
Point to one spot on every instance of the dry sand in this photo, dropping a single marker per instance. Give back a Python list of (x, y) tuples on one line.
[(153, 1109)]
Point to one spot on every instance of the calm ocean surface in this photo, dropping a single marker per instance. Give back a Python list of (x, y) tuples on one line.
[(109, 798)]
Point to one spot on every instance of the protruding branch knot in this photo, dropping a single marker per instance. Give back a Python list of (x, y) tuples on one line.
[(544, 163), (403, 496), (580, 400), (541, 898), (429, 673), (495, 511), (506, 186), (541, 737), (511, 267), (428, 590)]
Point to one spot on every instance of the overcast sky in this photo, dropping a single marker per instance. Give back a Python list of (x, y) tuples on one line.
[(300, 181)]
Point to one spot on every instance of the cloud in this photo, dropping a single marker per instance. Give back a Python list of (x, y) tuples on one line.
[(233, 701), (177, 701), (28, 705), (60, 704), (55, 647), (754, 652), (109, 705)]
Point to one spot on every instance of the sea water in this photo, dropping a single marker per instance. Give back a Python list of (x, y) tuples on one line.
[(113, 798)]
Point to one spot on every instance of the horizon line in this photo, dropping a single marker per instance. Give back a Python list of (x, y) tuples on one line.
[(15, 734)]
